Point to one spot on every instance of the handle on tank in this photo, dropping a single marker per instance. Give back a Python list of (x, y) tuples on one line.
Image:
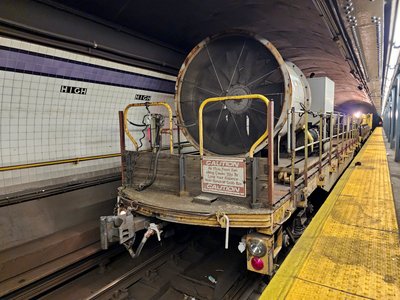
[(231, 98), (146, 104)]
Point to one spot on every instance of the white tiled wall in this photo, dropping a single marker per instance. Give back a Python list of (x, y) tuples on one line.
[(38, 123)]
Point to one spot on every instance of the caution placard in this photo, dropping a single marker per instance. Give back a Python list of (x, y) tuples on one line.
[(225, 176)]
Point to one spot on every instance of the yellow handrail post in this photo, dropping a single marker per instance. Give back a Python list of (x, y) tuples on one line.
[(305, 148), (321, 137), (270, 128), (269, 132), (166, 105), (230, 98), (331, 118)]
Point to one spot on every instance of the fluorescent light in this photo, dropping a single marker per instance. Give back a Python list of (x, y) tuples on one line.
[(393, 55)]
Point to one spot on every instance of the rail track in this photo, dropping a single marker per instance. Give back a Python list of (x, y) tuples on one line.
[(43, 285), (192, 264), (189, 264)]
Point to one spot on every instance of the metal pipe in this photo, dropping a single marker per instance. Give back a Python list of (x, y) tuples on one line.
[(346, 136), (317, 142), (122, 143), (179, 139), (310, 138), (343, 134), (57, 162), (351, 132), (333, 9), (330, 138), (289, 128), (321, 120), (254, 172), (40, 193), (226, 231), (293, 154), (305, 148), (88, 44), (338, 137), (182, 179), (359, 50), (349, 129)]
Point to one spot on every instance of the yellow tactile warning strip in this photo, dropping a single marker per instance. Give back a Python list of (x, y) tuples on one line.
[(351, 248)]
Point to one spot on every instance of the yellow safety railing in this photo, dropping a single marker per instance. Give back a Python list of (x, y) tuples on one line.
[(146, 104), (231, 98)]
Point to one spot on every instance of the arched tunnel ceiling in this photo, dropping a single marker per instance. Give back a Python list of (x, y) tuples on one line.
[(294, 27)]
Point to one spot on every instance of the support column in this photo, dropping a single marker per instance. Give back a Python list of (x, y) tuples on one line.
[(386, 120), (389, 118), (396, 143), (393, 118)]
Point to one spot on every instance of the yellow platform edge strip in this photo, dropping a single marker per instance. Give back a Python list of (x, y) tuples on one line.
[(281, 286)]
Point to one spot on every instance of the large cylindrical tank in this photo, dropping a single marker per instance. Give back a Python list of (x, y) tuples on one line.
[(237, 63)]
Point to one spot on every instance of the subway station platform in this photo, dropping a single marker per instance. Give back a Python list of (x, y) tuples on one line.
[(351, 248)]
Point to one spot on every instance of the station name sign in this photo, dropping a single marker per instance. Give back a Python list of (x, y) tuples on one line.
[(225, 176), (142, 97), (73, 90)]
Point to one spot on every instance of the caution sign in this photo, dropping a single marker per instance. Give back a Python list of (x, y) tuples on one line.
[(226, 176)]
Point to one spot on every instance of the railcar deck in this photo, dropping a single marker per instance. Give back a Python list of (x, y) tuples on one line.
[(164, 200), (351, 248)]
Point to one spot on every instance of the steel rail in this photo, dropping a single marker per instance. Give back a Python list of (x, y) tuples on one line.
[(45, 284), (129, 277)]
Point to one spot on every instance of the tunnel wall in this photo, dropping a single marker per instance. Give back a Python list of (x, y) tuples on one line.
[(57, 105), (31, 220), (57, 26)]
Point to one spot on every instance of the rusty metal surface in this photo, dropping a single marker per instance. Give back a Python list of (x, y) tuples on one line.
[(181, 209)]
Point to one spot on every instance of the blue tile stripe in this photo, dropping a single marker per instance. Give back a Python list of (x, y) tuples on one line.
[(18, 60)]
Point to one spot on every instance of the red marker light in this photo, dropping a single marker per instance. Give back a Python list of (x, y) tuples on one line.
[(257, 263)]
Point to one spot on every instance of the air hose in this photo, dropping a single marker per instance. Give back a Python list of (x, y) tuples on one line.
[(148, 183), (154, 160)]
